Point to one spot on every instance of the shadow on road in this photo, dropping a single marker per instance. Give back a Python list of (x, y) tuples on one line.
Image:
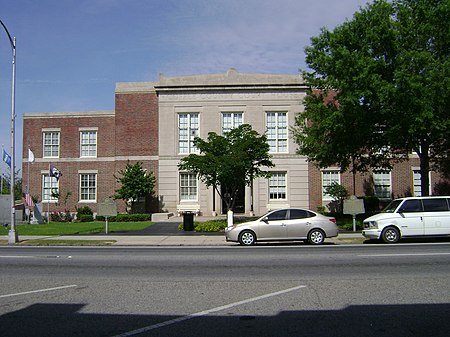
[(372, 320)]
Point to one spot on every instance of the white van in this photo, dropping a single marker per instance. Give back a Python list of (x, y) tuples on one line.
[(409, 217)]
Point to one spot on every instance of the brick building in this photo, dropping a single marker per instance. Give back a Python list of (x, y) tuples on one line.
[(155, 123)]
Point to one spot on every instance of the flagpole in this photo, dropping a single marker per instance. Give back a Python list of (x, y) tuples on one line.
[(49, 193), (1, 184), (28, 184)]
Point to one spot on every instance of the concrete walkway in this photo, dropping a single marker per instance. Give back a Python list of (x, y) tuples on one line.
[(167, 240), (166, 233)]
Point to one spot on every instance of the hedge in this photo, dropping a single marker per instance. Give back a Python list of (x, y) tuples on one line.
[(126, 218)]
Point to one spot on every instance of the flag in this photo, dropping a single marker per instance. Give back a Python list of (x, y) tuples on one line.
[(30, 156), (28, 200), (54, 172), (6, 158)]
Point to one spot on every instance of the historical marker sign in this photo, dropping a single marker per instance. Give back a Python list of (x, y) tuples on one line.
[(107, 208)]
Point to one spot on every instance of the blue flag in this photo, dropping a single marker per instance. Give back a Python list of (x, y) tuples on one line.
[(6, 158)]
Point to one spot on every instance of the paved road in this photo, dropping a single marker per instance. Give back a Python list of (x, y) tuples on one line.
[(359, 290)]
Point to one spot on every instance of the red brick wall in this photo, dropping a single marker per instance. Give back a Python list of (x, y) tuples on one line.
[(69, 162), (136, 124), (132, 132), (136, 133), (401, 180)]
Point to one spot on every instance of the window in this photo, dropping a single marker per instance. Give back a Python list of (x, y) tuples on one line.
[(435, 205), (50, 188), (417, 187), (382, 184), (88, 187), (300, 214), (51, 144), (188, 129), (277, 186), (188, 186), (411, 206), (329, 177), (231, 120), (88, 143), (277, 131), (277, 215)]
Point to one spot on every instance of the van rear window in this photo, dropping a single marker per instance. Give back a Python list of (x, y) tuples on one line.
[(435, 205)]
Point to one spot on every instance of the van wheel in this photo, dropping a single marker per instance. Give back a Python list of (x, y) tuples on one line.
[(390, 235)]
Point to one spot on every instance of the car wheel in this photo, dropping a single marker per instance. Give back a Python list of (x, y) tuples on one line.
[(316, 237), (247, 238), (390, 235)]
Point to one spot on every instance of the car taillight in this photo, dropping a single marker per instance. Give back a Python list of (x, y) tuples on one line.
[(333, 220)]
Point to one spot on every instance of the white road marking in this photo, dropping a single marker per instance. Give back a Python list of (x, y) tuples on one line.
[(405, 254), (206, 312), (39, 291)]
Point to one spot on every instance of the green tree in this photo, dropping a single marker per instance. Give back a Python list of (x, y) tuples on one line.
[(229, 162), (136, 183), (338, 193), (6, 188), (380, 89)]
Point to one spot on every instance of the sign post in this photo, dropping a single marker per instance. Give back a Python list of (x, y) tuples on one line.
[(107, 208), (354, 206)]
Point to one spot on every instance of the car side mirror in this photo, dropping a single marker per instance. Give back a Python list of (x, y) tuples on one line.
[(265, 219)]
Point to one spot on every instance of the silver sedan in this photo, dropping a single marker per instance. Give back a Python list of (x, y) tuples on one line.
[(284, 224)]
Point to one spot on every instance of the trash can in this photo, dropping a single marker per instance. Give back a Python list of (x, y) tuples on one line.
[(188, 221)]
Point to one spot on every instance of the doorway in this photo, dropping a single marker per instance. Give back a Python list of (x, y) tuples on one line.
[(239, 205)]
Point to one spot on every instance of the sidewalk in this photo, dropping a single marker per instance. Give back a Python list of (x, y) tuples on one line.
[(168, 240), (166, 233)]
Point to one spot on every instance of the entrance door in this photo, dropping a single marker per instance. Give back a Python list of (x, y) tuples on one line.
[(239, 205)]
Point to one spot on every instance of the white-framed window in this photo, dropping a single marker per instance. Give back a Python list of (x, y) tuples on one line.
[(417, 187), (188, 129), (188, 186), (382, 184), (51, 144), (277, 131), (231, 120), (277, 186), (329, 177), (88, 187), (50, 188), (88, 144)]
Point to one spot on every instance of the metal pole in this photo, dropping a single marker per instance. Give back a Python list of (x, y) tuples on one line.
[(12, 235)]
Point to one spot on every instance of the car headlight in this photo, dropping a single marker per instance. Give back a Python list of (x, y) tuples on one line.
[(371, 225)]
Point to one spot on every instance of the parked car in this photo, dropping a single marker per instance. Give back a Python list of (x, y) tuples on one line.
[(284, 224), (410, 217)]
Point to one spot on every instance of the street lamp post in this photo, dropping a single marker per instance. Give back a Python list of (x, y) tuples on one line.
[(12, 234)]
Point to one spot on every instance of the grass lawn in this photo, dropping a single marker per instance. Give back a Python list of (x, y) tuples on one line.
[(73, 228)]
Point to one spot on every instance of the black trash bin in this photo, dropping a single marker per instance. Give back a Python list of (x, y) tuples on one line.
[(188, 221)]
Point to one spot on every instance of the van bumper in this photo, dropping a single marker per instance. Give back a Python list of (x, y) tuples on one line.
[(371, 233)]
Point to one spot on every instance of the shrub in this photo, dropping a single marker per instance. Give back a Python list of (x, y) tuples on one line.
[(125, 218), (321, 209), (84, 211), (61, 216), (208, 226), (371, 204), (86, 218)]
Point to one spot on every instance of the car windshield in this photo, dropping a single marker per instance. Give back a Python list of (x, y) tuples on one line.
[(392, 206)]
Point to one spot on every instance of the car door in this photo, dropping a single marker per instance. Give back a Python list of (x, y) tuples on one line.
[(436, 216), (410, 220), (273, 226), (298, 223)]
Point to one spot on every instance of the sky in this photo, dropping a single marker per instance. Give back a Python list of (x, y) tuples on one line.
[(71, 53)]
